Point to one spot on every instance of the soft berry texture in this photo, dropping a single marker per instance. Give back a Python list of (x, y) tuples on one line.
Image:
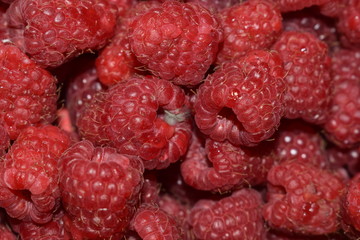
[(4, 140), (343, 125), (55, 31), (307, 67), (99, 190), (303, 199), (142, 116), (221, 166), (116, 62), (151, 222), (243, 101), (27, 92), (294, 5), (6, 233), (177, 41), (215, 5), (29, 175), (250, 25), (234, 217), (351, 203), (349, 21), (299, 141)]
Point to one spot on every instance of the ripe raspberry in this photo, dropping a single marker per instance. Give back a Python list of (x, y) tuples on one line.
[(123, 6), (177, 41), (81, 90), (4, 140), (242, 101), (343, 125), (151, 222), (151, 189), (333, 8), (6, 233), (142, 116), (303, 199), (116, 62), (295, 5), (215, 5), (351, 203), (29, 174), (308, 78), (298, 141), (235, 217), (99, 190), (251, 25), (349, 21), (56, 31), (221, 166), (343, 157), (27, 92)]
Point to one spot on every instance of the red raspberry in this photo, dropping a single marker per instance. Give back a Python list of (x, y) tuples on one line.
[(343, 125), (333, 8), (221, 166), (349, 21), (151, 189), (4, 140), (251, 25), (215, 5), (28, 93), (81, 90), (177, 41), (129, 117), (351, 203), (303, 199), (6, 233), (56, 31), (30, 174), (235, 217), (340, 157), (151, 222), (123, 6), (99, 190), (295, 5), (308, 75), (298, 141), (242, 101), (116, 62)]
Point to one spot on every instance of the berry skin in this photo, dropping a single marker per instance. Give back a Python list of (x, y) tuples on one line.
[(299, 141), (348, 23), (308, 78), (4, 140), (242, 101), (99, 190), (303, 199), (128, 117), (27, 92), (221, 166), (351, 203), (235, 217), (151, 222), (295, 5), (29, 175), (177, 41), (6, 233), (251, 25), (215, 5), (55, 31)]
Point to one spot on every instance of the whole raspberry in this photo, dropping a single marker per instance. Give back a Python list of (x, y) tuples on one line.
[(99, 190), (142, 116), (307, 65), (151, 222), (349, 21), (243, 101), (28, 93), (116, 62), (235, 217), (81, 90), (177, 41), (251, 25), (299, 141), (303, 199), (221, 166), (295, 5), (55, 31), (29, 174), (343, 125)]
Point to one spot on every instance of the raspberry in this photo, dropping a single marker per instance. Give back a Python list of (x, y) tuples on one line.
[(348, 23), (303, 199), (27, 92), (177, 41), (308, 75), (4, 140), (242, 101), (129, 117), (221, 166), (99, 190), (299, 141), (81, 90), (6, 233), (29, 175), (243, 31), (151, 188), (235, 217), (116, 62), (351, 203), (123, 6), (215, 5), (343, 125), (340, 157), (295, 5), (56, 31)]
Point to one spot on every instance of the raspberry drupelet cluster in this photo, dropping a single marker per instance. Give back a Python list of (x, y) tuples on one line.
[(179, 119)]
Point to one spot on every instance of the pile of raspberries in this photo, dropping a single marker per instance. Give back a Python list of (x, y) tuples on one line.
[(179, 119)]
